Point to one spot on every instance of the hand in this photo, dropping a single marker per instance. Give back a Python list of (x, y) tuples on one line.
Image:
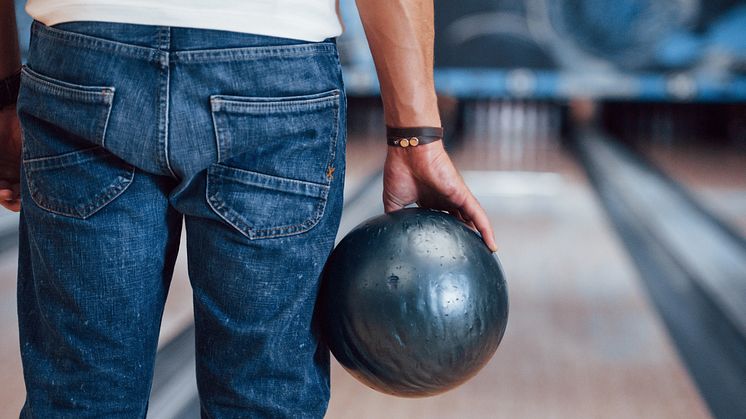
[(10, 159), (425, 175)]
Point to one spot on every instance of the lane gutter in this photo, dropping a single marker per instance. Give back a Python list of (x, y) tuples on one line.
[(692, 285)]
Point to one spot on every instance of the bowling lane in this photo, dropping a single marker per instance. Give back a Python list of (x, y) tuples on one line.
[(583, 340), (714, 173), (701, 146), (11, 397)]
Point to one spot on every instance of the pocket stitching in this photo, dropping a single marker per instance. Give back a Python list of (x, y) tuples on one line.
[(233, 218), (101, 199), (219, 169), (90, 94), (247, 104), (60, 161)]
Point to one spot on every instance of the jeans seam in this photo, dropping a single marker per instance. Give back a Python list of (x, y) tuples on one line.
[(163, 120), (43, 162), (231, 103), (92, 42), (167, 121), (164, 43), (257, 52), (105, 124), (267, 177), (217, 133), (333, 145)]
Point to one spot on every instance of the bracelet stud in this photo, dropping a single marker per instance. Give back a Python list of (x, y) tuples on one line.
[(404, 137)]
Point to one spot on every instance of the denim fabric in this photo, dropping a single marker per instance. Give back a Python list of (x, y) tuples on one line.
[(130, 129)]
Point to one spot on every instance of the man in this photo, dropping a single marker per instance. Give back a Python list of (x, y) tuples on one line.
[(231, 115)]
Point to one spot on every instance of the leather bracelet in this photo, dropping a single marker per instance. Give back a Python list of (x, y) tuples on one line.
[(9, 87), (412, 136)]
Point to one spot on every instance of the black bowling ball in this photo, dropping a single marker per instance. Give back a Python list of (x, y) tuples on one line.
[(413, 303)]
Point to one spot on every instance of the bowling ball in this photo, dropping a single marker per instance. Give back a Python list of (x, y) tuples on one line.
[(413, 303)]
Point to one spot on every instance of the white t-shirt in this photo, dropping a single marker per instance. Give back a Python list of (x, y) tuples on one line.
[(310, 20)]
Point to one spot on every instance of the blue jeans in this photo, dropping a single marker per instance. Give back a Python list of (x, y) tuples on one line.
[(130, 130)]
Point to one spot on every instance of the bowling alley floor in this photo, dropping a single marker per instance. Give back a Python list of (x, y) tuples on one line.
[(583, 339)]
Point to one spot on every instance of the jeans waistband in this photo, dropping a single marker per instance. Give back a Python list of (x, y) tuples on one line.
[(154, 43)]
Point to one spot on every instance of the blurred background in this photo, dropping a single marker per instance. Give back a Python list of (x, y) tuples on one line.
[(607, 142)]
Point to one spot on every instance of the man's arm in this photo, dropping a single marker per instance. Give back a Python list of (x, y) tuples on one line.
[(10, 131), (401, 35)]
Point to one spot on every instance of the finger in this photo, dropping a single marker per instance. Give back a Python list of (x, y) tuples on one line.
[(474, 212), (6, 194), (468, 221), (460, 216), (456, 213), (390, 206), (13, 205), (10, 192)]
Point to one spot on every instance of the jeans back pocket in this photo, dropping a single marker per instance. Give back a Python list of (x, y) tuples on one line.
[(66, 167), (275, 161)]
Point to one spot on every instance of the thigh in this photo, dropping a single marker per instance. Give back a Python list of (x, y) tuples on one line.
[(258, 350), (90, 299)]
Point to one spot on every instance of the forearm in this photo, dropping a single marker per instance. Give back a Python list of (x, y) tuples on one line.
[(400, 34), (10, 57)]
